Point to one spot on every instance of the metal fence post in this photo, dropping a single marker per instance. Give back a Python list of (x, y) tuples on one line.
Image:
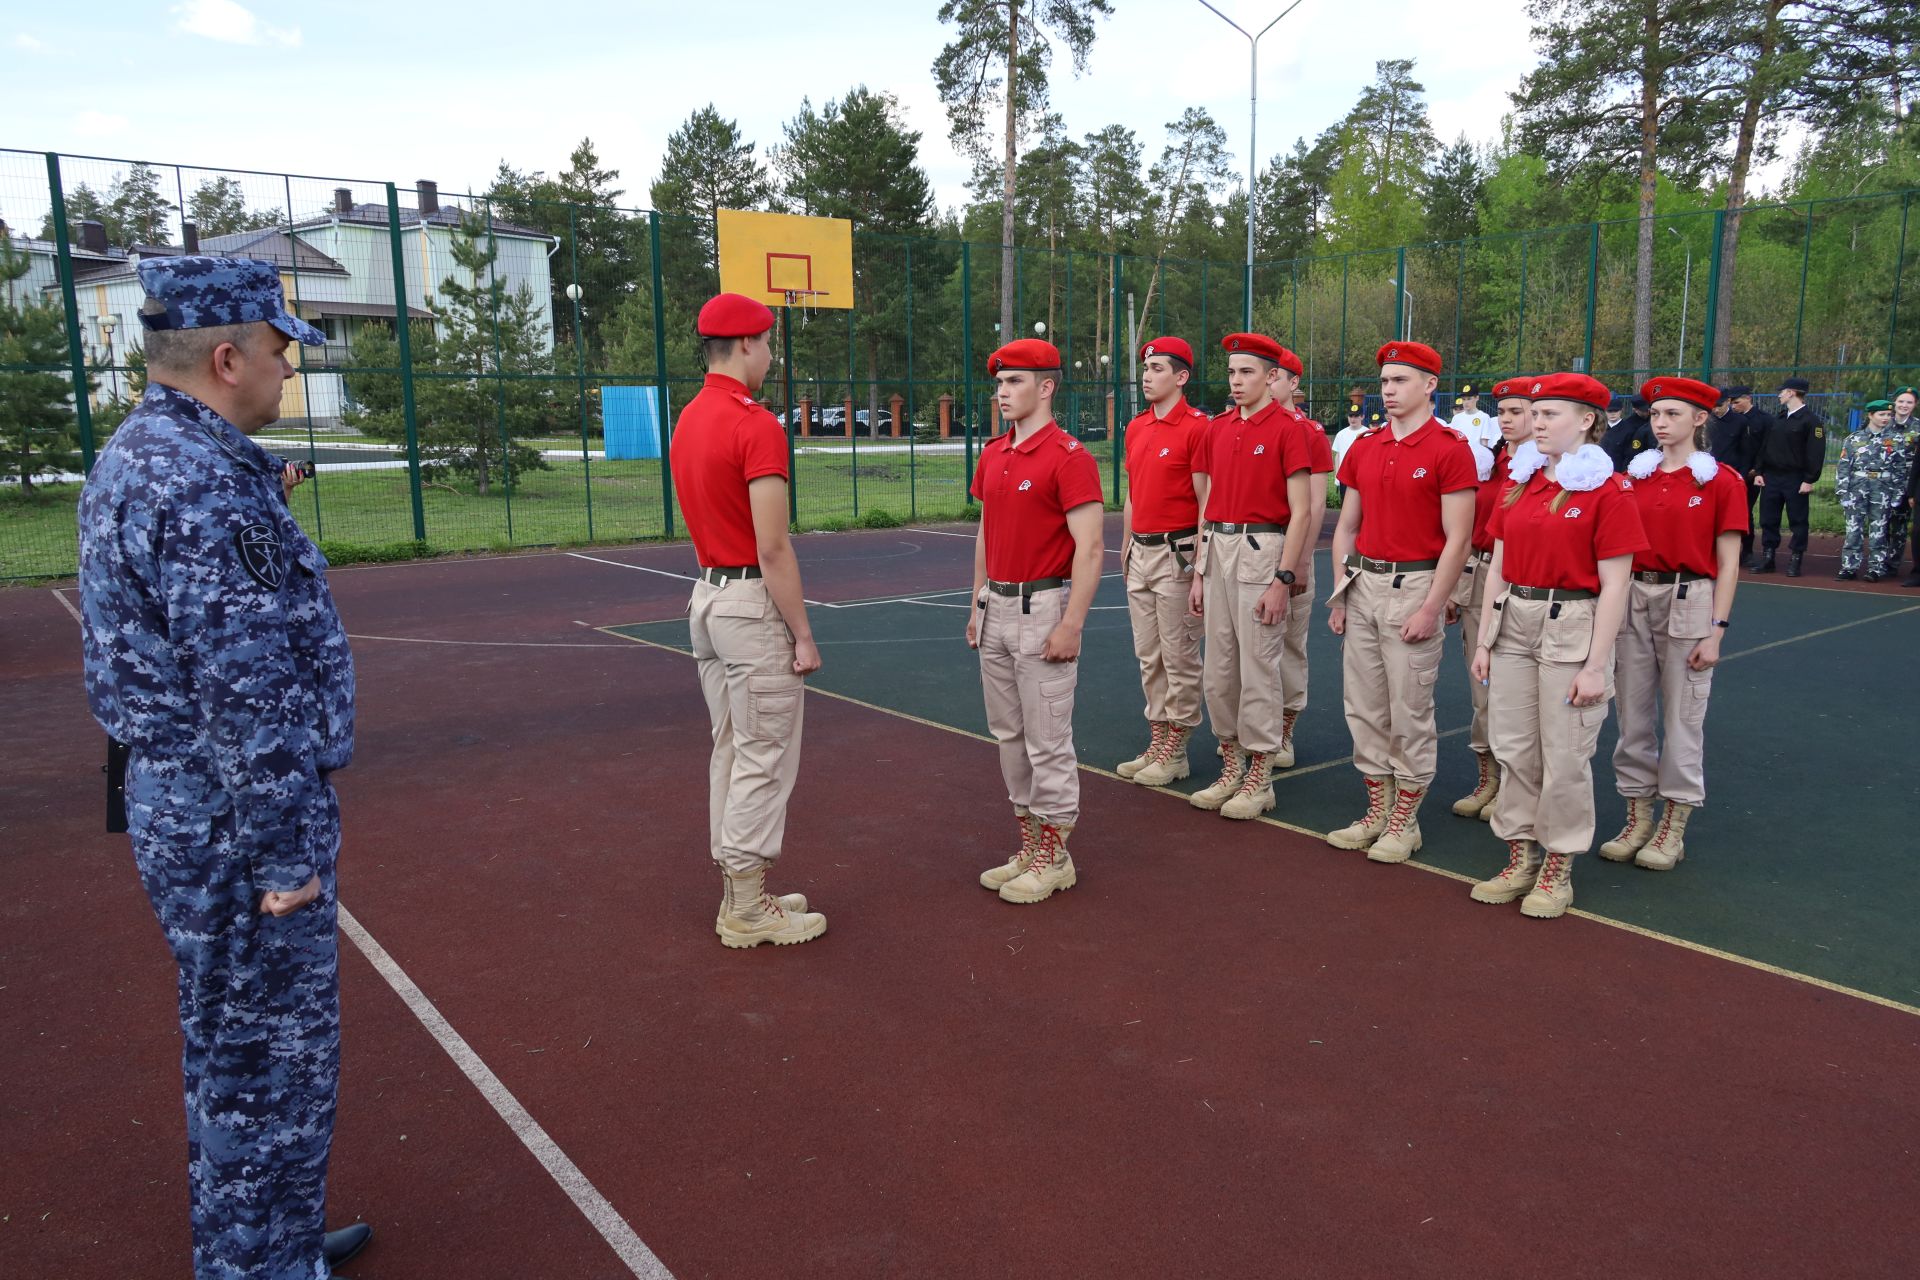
[(966, 360), (1593, 288), (1709, 330), (1806, 254), (76, 353), (1893, 311), (660, 372), (1520, 325), (913, 479), (1402, 321), (1120, 414), (403, 334)]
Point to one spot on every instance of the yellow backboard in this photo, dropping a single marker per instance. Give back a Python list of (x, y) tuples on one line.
[(786, 260)]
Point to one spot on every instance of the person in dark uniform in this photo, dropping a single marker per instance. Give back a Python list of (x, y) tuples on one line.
[(1628, 433), (216, 662), (1789, 452), (1730, 443)]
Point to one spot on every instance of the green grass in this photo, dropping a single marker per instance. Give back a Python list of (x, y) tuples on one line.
[(366, 515)]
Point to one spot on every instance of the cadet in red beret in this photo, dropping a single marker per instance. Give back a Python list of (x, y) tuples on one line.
[(1678, 605), (1036, 567), (1159, 531), (1564, 540), (751, 637), (1513, 414), (1253, 551), (1405, 529)]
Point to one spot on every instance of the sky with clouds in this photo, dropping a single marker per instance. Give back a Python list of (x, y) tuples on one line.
[(380, 90)]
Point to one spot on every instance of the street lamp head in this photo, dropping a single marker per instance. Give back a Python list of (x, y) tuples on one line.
[(108, 324), (1040, 328), (1106, 359), (573, 293)]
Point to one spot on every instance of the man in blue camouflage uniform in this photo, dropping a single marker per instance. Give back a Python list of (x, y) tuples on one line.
[(213, 651), (1876, 463)]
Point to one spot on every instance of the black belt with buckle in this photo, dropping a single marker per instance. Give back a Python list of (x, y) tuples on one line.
[(1163, 539), (721, 576), (1652, 579), (1024, 589), (1552, 594), (1215, 526), (1371, 565), (1484, 557)]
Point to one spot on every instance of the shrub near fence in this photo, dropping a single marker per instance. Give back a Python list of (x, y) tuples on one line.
[(457, 403)]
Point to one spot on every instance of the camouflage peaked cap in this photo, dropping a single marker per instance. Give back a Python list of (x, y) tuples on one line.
[(202, 292)]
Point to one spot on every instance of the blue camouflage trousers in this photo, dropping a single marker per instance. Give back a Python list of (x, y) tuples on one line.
[(260, 1018)]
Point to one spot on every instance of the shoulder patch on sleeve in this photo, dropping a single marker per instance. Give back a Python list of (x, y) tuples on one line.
[(261, 554)]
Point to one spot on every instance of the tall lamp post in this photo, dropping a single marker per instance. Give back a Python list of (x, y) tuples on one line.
[(1686, 294), (107, 325), (1253, 130)]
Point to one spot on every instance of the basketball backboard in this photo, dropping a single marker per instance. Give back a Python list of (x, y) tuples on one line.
[(785, 260)]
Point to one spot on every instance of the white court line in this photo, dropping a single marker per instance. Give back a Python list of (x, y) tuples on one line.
[(665, 573), (946, 534), (490, 644), (613, 1228), (67, 604)]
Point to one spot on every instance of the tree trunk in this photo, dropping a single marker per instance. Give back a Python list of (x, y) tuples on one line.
[(1757, 88), (1649, 188), (1008, 266)]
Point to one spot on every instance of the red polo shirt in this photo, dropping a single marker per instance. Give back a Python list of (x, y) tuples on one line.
[(1163, 456), (1025, 491), (1319, 448), (1491, 490), (1400, 483), (724, 439), (1564, 548), (1248, 462), (1682, 519)]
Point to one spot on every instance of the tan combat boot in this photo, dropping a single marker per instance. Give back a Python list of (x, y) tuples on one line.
[(789, 902), (1522, 869), (752, 916), (1634, 835), (993, 877), (1360, 834), (1666, 849), (1171, 764), (1127, 768), (1401, 839), (1255, 795), (1553, 891), (1471, 804), (1283, 758), (1233, 767), (1049, 870)]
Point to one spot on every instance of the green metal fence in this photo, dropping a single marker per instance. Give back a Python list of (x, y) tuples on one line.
[(474, 343)]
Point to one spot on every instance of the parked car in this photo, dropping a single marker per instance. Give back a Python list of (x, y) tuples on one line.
[(870, 423), (834, 418), (792, 418)]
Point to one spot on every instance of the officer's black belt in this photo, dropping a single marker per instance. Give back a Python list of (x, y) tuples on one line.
[(1370, 565), (1555, 594), (721, 576), (1024, 588), (1215, 526), (1162, 539), (1652, 579)]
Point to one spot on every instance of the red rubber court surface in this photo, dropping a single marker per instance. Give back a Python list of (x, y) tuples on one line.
[(1229, 1051)]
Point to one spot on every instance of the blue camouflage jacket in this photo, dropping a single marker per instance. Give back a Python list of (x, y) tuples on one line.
[(212, 645)]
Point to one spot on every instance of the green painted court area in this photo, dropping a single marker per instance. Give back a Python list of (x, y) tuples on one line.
[(1804, 857)]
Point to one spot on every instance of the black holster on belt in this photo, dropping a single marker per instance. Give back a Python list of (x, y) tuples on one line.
[(116, 771)]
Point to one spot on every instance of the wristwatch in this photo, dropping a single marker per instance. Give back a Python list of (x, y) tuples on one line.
[(1286, 576), (1721, 622)]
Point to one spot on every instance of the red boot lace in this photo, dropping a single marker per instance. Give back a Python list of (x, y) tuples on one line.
[(1250, 781), (1666, 827), (1403, 807), (1516, 859), (1552, 872), (1048, 847), (1176, 738), (1376, 802), (1158, 743)]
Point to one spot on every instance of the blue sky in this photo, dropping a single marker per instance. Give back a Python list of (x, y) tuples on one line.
[(376, 91)]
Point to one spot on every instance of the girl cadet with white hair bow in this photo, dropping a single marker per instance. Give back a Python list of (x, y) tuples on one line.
[(1694, 511), (1512, 409), (1564, 538)]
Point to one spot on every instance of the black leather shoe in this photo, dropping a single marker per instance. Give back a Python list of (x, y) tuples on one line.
[(1793, 565), (344, 1245), (1848, 575), (1911, 580), (1764, 564)]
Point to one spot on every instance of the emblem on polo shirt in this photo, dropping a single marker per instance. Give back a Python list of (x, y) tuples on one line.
[(1259, 449), (1165, 452), (1419, 472), (1025, 485), (1573, 513), (1694, 501)]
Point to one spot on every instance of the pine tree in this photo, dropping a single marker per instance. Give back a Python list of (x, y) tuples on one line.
[(136, 209), (1453, 192), (1192, 170), (218, 207), (1385, 144), (36, 393)]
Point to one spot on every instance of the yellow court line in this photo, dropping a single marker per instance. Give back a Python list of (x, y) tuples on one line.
[(1642, 931)]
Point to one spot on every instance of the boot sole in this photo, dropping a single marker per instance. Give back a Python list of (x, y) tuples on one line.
[(1140, 780), (1249, 817), (1339, 841), (1495, 898), (1374, 855), (1024, 900), (1549, 913), (1200, 800), (739, 943), (1660, 866), (1619, 855), (1127, 768)]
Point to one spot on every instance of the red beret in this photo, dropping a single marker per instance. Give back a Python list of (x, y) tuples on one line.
[(1512, 388), (1026, 353), (1255, 344), (1175, 347), (1695, 393), (1417, 355), (1577, 387), (733, 315)]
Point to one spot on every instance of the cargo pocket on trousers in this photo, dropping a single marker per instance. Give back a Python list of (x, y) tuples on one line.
[(1693, 703), (773, 703), (1058, 696), (738, 606), (1569, 637), (1424, 662), (1690, 617)]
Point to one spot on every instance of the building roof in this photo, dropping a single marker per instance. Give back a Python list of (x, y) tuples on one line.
[(308, 309), (447, 215), (272, 245)]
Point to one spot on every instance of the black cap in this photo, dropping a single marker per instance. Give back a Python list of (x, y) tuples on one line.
[(1735, 392), (1639, 404), (1618, 402), (1796, 384)]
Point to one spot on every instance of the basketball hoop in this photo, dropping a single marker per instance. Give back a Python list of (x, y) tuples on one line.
[(802, 299)]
